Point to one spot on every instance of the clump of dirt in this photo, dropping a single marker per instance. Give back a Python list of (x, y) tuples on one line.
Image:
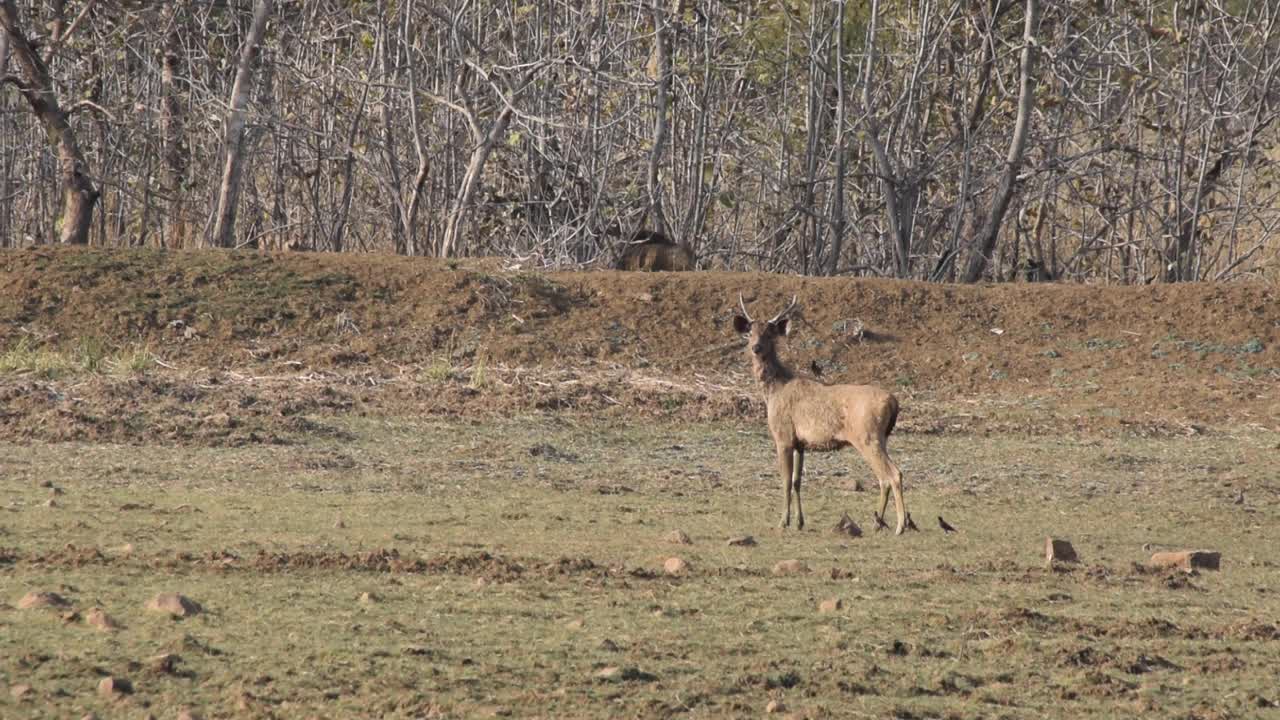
[(468, 336)]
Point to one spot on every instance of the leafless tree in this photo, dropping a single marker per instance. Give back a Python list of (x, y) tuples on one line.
[(36, 85), (234, 141)]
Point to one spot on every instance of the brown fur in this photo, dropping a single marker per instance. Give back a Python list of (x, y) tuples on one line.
[(655, 252), (805, 415)]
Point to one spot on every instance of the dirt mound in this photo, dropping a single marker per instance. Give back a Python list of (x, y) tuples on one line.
[(463, 333)]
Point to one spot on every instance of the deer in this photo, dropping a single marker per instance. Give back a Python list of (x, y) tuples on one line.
[(653, 251), (807, 415)]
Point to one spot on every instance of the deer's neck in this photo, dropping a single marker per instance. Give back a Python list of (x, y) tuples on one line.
[(770, 372)]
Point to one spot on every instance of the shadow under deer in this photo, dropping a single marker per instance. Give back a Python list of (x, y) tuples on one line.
[(807, 415)]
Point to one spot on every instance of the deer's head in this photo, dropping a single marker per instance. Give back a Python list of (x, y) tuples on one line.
[(762, 335)]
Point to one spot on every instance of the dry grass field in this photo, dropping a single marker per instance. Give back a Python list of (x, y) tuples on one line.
[(393, 508)]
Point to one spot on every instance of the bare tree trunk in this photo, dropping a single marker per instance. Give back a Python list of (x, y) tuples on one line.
[(348, 167), (177, 156), (410, 221), (888, 177), (233, 169), (837, 206), (78, 192), (471, 181), (662, 102), (1013, 162)]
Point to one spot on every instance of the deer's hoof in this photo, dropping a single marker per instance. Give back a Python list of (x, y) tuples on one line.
[(900, 530), (800, 524)]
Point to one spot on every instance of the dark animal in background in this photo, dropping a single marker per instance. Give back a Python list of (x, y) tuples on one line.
[(1035, 271), (653, 251)]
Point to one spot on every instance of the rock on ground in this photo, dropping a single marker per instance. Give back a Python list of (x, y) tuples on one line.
[(790, 567), (1059, 551), (112, 686), (41, 599), (175, 604), (1188, 560)]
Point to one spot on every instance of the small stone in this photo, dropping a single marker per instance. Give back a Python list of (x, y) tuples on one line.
[(20, 692), (675, 566), (575, 624), (1058, 551), (173, 603), (98, 618), (46, 483), (790, 567), (51, 503), (188, 714), (1188, 560), (614, 673), (125, 550), (679, 537), (742, 541), (831, 605), (338, 524), (112, 686), (368, 598), (775, 706), (56, 491), (42, 600), (89, 716), (164, 664), (608, 645)]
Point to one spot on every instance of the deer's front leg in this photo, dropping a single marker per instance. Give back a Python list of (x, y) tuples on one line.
[(795, 484), (784, 469)]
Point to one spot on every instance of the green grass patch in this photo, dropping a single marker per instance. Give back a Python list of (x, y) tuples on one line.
[(85, 356)]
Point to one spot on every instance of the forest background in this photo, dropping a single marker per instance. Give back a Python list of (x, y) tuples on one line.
[(1109, 141)]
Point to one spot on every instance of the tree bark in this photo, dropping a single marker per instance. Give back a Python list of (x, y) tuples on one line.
[(233, 168), (1013, 162), (899, 227), (78, 192), (470, 181), (177, 156), (837, 205), (662, 102)]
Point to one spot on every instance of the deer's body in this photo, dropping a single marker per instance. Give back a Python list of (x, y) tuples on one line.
[(806, 415), (654, 251)]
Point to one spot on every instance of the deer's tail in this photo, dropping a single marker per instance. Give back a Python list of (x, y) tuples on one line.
[(893, 416)]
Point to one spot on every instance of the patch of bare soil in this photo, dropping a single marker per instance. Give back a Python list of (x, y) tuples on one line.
[(479, 564), (260, 347)]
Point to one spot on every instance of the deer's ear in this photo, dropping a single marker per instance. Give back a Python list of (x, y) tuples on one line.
[(741, 324), (782, 325)]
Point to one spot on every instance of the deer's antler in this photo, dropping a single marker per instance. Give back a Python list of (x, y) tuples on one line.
[(743, 305), (785, 312)]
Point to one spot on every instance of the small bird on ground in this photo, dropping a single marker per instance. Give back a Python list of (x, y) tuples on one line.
[(880, 523), (815, 368), (911, 524), (946, 527)]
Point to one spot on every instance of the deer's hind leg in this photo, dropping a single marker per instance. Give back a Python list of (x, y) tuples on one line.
[(795, 484), (890, 478), (785, 468)]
